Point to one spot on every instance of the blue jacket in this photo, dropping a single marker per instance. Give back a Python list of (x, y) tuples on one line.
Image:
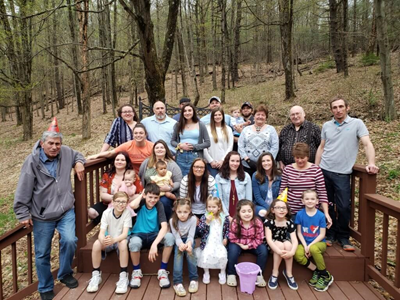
[(243, 190), (260, 190)]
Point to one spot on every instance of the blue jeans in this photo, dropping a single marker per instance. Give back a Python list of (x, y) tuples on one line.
[(185, 159), (213, 172), (168, 204), (339, 193), (178, 264), (138, 241), (43, 232), (234, 251)]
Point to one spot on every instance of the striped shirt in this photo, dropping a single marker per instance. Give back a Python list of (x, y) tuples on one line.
[(199, 205), (252, 236), (297, 181)]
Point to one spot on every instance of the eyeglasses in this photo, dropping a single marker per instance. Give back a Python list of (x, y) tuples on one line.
[(281, 208), (120, 202), (198, 167), (127, 112)]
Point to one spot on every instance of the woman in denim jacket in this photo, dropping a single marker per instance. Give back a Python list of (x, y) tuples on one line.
[(266, 182), (233, 183)]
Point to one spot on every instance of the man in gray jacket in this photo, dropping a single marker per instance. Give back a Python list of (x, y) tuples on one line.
[(44, 200)]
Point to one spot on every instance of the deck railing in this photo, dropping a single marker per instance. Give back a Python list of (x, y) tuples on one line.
[(366, 208)]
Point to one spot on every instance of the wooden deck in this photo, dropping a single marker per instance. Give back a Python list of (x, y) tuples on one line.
[(354, 290)]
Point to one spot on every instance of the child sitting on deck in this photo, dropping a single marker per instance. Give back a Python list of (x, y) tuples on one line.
[(311, 229), (150, 230), (116, 221)]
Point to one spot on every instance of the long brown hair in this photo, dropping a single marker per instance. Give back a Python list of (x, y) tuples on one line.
[(261, 174), (182, 120), (225, 171), (179, 202), (152, 158), (237, 219), (203, 184), (223, 125)]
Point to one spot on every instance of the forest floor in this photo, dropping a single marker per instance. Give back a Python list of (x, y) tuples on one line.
[(314, 89)]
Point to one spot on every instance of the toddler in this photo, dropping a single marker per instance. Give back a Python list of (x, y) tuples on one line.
[(163, 177), (128, 186)]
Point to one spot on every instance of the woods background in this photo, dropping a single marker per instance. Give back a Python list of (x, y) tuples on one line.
[(57, 54)]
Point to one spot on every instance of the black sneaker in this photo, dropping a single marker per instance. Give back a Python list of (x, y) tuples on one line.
[(69, 281), (47, 295)]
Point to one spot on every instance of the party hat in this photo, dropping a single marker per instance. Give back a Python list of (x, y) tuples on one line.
[(283, 195), (54, 126)]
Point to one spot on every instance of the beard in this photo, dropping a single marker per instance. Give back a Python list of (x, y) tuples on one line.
[(160, 117)]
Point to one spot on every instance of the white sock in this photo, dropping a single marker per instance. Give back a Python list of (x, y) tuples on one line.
[(206, 271), (222, 272)]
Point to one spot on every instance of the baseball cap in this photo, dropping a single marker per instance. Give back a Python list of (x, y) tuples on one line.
[(184, 100), (214, 98), (247, 103)]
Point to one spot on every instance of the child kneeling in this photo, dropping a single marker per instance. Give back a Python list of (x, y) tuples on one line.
[(246, 234), (150, 231), (311, 229), (116, 221)]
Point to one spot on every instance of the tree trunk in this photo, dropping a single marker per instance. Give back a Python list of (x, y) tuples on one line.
[(354, 46), (204, 56), (75, 61), (155, 67), (103, 43), (222, 7), (344, 38), (83, 34), (286, 27), (214, 56), (236, 43), (181, 61), (372, 36), (336, 43), (198, 41), (57, 77), (386, 69)]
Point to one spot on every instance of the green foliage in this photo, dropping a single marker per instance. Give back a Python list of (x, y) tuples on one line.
[(369, 60), (393, 174), (372, 99), (7, 216), (330, 64)]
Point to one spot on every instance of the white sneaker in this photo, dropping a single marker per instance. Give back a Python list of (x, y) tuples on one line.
[(222, 278), (193, 286), (122, 284), (206, 278), (179, 290), (163, 278), (231, 281), (94, 282), (136, 279), (260, 281)]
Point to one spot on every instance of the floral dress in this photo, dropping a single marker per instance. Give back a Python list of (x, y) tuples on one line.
[(214, 255)]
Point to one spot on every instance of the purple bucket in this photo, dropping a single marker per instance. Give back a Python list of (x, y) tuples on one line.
[(247, 272)]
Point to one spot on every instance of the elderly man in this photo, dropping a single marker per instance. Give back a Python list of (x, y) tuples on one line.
[(159, 126), (336, 156), (215, 102), (44, 200), (299, 130)]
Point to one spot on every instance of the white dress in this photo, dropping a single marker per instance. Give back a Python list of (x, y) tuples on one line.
[(214, 255)]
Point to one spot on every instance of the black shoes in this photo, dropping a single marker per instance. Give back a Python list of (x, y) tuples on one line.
[(47, 295), (69, 281)]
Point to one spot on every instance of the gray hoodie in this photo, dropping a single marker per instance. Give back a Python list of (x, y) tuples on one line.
[(39, 195)]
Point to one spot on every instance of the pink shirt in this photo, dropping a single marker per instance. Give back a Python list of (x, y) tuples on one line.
[(252, 236)]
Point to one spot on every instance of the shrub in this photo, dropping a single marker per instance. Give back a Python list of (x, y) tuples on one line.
[(369, 59), (330, 64)]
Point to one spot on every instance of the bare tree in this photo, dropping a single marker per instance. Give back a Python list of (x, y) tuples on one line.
[(384, 53), (155, 67)]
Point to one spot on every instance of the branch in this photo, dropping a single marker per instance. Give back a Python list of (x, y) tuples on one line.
[(254, 14), (128, 9), (51, 10)]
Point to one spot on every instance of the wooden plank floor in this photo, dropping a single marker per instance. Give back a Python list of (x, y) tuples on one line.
[(353, 290)]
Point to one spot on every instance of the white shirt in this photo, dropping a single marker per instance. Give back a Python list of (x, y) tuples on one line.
[(217, 151)]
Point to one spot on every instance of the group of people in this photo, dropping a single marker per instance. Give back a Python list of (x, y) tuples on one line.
[(196, 185)]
